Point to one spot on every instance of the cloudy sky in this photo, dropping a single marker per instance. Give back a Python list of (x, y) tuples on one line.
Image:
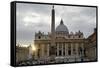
[(32, 18)]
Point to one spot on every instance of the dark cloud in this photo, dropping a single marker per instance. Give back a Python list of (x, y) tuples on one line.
[(32, 18)]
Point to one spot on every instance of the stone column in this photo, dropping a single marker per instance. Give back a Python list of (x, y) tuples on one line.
[(76, 49), (62, 48), (66, 49), (47, 49), (71, 49), (42, 50), (82, 45), (57, 49)]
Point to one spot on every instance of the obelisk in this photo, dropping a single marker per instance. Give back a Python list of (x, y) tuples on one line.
[(52, 49)]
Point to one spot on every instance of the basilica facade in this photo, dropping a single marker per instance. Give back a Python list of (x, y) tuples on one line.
[(60, 43)]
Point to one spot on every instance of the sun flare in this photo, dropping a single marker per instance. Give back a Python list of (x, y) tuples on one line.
[(33, 48)]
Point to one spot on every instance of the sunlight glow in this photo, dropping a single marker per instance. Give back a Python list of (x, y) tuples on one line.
[(25, 45), (33, 48)]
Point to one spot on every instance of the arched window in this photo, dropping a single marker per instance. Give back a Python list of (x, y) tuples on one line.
[(39, 37), (79, 36)]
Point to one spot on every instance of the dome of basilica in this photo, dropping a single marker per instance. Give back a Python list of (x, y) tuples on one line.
[(62, 28)]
